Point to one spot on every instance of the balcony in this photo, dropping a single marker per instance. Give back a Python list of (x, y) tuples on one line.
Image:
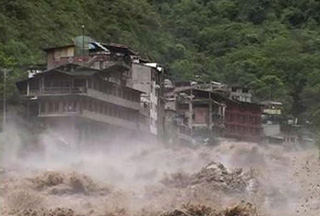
[(59, 114), (107, 119), (54, 91), (62, 91), (113, 99)]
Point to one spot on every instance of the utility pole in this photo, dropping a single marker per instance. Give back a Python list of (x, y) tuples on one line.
[(82, 45), (4, 98)]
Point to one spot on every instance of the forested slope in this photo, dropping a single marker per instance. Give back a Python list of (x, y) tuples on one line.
[(272, 46)]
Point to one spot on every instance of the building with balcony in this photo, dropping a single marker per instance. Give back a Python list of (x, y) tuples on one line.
[(205, 112), (243, 120), (201, 113), (136, 73), (83, 104)]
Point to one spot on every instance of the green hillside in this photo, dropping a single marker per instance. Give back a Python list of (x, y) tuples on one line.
[(272, 46)]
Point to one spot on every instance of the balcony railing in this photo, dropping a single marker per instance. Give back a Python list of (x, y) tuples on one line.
[(121, 101), (63, 90)]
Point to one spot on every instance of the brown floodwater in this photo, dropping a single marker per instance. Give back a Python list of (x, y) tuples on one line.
[(150, 179)]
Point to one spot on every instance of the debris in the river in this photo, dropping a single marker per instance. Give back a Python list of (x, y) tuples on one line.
[(60, 183), (214, 176), (43, 212), (243, 209), (24, 199)]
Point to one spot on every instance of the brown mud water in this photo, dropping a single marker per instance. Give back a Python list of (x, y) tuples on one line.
[(232, 179)]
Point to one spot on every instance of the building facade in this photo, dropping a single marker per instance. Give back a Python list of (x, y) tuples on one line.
[(243, 120), (148, 78), (240, 93), (81, 103), (201, 113), (136, 73), (210, 110)]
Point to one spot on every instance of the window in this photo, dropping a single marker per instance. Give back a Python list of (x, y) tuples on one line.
[(111, 110), (101, 108), (94, 106), (89, 105), (50, 106), (56, 106), (120, 93), (106, 109), (245, 118), (70, 106), (84, 104), (125, 94), (113, 90), (89, 83), (42, 107), (75, 105)]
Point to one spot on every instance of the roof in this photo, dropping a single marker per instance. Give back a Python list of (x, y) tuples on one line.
[(272, 103), (248, 103), (239, 87), (217, 94), (71, 69), (58, 47), (77, 71), (156, 66), (36, 66), (113, 47), (202, 90)]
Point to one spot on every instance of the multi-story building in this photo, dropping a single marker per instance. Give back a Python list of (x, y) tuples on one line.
[(136, 73), (201, 113), (83, 104), (209, 109), (243, 120), (148, 78), (94, 83)]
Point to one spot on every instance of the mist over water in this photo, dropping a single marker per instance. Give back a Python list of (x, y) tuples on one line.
[(137, 177)]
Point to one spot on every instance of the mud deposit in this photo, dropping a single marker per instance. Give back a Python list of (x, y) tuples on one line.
[(232, 179)]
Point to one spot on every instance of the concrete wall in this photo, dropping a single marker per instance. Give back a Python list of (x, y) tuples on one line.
[(143, 80), (140, 78)]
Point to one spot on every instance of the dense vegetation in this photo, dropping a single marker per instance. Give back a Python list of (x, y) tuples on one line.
[(272, 46)]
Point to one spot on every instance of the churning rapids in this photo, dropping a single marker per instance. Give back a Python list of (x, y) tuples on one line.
[(234, 178)]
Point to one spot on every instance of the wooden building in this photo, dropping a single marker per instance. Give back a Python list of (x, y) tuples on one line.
[(208, 114), (243, 120), (83, 104), (136, 73), (201, 113)]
